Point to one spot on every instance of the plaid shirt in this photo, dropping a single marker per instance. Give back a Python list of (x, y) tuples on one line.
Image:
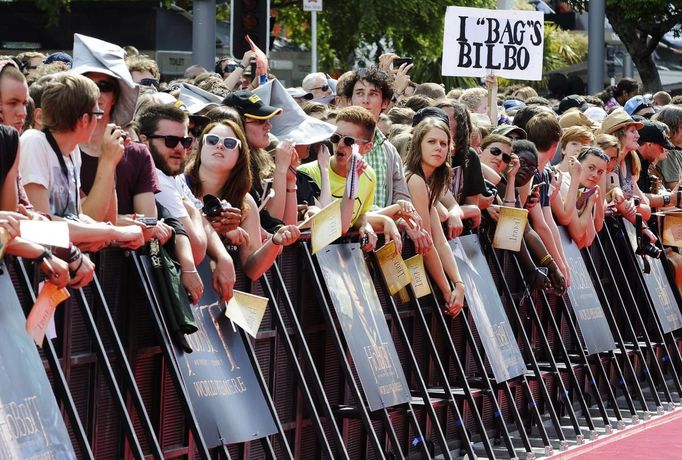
[(376, 158)]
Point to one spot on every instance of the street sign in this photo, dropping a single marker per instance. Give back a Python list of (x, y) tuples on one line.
[(312, 5)]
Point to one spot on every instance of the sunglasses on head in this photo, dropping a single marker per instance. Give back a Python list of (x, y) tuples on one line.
[(363, 72), (153, 82), (229, 142), (496, 152), (347, 140), (105, 86), (229, 68), (172, 141)]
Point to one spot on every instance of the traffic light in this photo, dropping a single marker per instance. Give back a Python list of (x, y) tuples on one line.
[(252, 18)]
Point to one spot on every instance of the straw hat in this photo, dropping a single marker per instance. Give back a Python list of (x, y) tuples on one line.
[(574, 117), (618, 119)]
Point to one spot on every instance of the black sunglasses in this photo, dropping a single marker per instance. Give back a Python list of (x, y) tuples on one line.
[(323, 88), (105, 86), (153, 82), (229, 68), (172, 141), (496, 152), (347, 140)]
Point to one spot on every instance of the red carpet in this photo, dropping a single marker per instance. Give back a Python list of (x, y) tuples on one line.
[(658, 438)]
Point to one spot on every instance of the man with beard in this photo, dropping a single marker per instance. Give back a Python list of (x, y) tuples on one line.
[(163, 128)]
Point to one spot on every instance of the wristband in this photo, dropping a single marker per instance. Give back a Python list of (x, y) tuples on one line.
[(240, 65), (189, 271), (74, 272), (544, 260), (272, 239), (459, 282), (45, 255), (666, 200), (292, 190), (679, 195)]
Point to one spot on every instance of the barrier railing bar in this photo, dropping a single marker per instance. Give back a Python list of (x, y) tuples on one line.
[(412, 361), (300, 374), (638, 315), (62, 386), (661, 335), (565, 399), (445, 385), (169, 356), (345, 366), (265, 441), (615, 329), (128, 377), (580, 349), (513, 313), (103, 360), (629, 328), (438, 316)]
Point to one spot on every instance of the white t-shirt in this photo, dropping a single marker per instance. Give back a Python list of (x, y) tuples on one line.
[(39, 165), (173, 191)]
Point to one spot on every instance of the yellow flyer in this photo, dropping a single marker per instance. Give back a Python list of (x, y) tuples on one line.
[(325, 226), (420, 282), (393, 268), (247, 311), (43, 310), (510, 227), (672, 230)]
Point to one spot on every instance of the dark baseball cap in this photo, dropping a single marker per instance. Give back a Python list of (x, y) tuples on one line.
[(250, 105), (572, 101), (428, 112), (654, 132)]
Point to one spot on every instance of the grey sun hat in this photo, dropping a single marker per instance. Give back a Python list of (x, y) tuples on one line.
[(293, 123), (196, 99), (95, 55)]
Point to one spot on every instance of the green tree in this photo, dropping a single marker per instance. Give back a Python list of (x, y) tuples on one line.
[(640, 25), (407, 27)]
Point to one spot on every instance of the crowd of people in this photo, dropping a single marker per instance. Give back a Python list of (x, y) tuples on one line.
[(226, 163)]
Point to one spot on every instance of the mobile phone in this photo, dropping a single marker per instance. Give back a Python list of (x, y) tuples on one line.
[(397, 62), (253, 70), (148, 221)]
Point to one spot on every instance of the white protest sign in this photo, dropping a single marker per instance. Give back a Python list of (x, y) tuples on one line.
[(507, 43)]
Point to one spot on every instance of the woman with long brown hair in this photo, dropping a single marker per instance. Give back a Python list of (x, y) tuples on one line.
[(427, 169), (220, 167)]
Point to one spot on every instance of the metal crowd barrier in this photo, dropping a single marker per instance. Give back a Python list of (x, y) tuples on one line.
[(435, 388)]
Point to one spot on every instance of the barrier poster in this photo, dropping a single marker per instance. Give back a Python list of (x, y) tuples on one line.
[(364, 325), (487, 310), (507, 43), (583, 299), (31, 425), (225, 394), (657, 284)]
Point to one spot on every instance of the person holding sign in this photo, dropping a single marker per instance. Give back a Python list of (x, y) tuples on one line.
[(428, 172), (220, 167)]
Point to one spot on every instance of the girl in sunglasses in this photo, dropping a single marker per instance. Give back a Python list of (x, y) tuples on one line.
[(427, 170), (220, 167)]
